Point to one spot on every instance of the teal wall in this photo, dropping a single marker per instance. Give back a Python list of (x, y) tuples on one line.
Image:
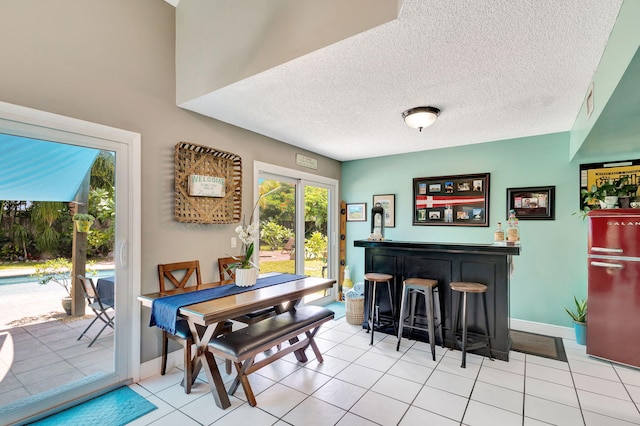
[(552, 264)]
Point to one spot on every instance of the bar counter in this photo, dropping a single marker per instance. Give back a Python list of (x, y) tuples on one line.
[(489, 264)]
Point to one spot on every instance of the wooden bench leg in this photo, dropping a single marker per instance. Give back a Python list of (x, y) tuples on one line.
[(243, 378)]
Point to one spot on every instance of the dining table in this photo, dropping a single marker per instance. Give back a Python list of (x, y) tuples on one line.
[(203, 317), (105, 286)]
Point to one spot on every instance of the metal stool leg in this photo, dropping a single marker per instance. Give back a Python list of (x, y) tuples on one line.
[(401, 319), (393, 312), (486, 320), (373, 313), (428, 300), (464, 330)]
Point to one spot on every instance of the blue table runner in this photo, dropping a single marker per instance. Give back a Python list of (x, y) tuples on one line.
[(164, 311)]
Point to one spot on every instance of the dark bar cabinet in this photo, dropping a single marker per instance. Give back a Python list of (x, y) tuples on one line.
[(488, 264)]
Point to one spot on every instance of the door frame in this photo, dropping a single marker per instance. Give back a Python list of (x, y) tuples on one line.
[(36, 124), (332, 210)]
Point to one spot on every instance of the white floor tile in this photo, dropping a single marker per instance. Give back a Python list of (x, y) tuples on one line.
[(245, 415), (418, 417), (340, 393), (350, 419), (359, 375), (380, 409), (515, 366), (175, 396), (611, 407), (595, 419), (451, 365), (410, 371), (499, 397), (305, 380), (175, 418), (551, 391), (440, 402), (330, 367), (614, 389), (501, 378), (479, 414), (205, 411), (547, 362), (279, 399), (549, 374), (602, 371), (314, 412), (552, 412), (397, 388), (451, 383), (628, 375), (375, 361), (345, 352)]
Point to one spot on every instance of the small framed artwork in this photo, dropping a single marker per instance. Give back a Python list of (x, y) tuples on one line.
[(388, 203), (532, 203), (357, 212), (460, 200)]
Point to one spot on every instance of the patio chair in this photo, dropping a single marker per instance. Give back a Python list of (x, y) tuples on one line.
[(289, 246), (226, 273), (183, 333), (97, 306)]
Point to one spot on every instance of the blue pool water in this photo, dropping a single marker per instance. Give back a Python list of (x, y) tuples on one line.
[(22, 279)]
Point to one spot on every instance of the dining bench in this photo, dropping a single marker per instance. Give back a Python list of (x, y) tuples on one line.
[(243, 345)]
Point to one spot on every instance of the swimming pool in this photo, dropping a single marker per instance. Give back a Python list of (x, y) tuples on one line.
[(22, 279)]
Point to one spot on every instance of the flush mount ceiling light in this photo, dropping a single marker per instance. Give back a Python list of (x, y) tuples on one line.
[(420, 117)]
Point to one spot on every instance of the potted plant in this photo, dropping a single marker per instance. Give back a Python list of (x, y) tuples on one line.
[(579, 317), (59, 271), (83, 221)]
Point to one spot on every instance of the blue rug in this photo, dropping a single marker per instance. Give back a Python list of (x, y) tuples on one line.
[(337, 307), (116, 408)]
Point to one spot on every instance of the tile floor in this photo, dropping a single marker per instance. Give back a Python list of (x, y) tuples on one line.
[(360, 384)]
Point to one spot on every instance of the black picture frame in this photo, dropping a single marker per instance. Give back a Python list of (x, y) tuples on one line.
[(457, 200), (532, 203), (600, 173)]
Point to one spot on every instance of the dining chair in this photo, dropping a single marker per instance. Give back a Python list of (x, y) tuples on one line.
[(97, 306), (179, 275), (227, 273)]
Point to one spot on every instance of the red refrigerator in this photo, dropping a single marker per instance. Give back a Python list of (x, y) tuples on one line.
[(613, 310)]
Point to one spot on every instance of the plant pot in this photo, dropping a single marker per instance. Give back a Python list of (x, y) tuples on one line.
[(624, 202), (609, 202), (581, 332), (66, 304), (83, 225), (246, 277)]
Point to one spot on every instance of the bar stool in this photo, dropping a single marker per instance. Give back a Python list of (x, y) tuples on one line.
[(374, 315), (475, 288), (411, 287)]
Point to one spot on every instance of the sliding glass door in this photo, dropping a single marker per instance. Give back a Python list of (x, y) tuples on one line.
[(297, 226)]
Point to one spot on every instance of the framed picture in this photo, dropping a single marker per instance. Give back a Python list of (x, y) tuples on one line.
[(388, 203), (532, 203), (357, 212), (600, 173), (460, 200)]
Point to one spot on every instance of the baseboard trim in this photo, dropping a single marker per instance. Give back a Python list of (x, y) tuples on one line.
[(542, 328), (152, 367)]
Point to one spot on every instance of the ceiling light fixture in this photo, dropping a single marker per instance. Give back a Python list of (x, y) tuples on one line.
[(420, 117)]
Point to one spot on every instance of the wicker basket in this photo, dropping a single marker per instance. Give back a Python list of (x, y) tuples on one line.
[(355, 310)]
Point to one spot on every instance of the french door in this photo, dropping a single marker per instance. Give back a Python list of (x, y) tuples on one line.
[(298, 218), (121, 363)]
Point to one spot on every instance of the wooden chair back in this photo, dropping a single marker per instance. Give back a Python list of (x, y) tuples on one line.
[(166, 274), (226, 273)]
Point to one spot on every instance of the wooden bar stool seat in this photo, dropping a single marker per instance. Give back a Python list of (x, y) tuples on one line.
[(463, 288), (411, 287), (373, 320)]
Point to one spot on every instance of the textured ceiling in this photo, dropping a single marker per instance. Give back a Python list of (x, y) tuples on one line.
[(497, 69)]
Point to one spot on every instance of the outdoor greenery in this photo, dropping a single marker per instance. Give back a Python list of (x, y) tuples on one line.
[(59, 271), (31, 230), (277, 215)]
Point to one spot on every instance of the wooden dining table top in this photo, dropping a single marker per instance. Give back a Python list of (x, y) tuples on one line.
[(212, 311)]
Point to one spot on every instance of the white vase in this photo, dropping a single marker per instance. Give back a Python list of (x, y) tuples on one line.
[(246, 277), (609, 202)]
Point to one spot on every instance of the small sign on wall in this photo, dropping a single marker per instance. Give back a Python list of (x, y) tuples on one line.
[(206, 186), (308, 162)]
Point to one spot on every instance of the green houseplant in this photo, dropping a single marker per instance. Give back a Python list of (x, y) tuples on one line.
[(579, 317)]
